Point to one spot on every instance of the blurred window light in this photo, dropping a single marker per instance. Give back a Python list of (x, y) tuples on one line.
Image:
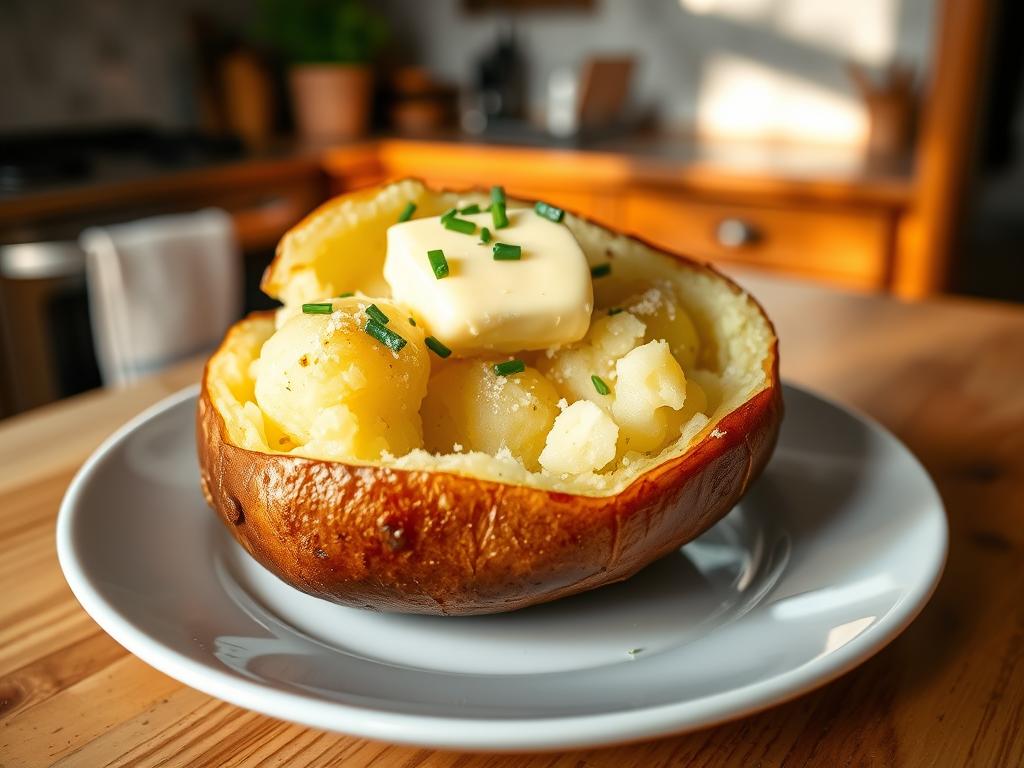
[(860, 29), (865, 30), (745, 99), (735, 9)]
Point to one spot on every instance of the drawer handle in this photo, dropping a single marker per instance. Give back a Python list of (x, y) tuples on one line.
[(736, 233)]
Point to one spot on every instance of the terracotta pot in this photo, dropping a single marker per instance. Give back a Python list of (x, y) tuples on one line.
[(331, 101)]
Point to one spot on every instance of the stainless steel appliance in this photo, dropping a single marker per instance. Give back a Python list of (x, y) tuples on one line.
[(46, 350)]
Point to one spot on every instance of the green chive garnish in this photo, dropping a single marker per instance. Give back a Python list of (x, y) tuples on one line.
[(384, 335), (438, 263), (509, 367), (506, 252), (472, 208), (599, 385), (464, 226), (485, 235), (448, 214), (345, 295), (374, 311), (548, 211), (412, 322), (498, 194), (437, 347), (614, 311), (499, 215), (320, 308), (601, 270), (407, 212)]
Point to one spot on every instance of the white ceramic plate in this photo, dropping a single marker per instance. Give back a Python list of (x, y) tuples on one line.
[(831, 554)]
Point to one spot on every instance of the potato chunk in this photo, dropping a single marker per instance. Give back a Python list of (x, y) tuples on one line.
[(582, 440), (328, 387), (469, 405), (570, 369), (649, 385), (665, 318)]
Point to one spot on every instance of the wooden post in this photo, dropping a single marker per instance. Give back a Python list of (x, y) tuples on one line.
[(928, 236)]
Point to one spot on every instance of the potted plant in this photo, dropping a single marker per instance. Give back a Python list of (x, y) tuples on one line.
[(329, 45)]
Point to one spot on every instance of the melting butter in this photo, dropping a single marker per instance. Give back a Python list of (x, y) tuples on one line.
[(542, 300)]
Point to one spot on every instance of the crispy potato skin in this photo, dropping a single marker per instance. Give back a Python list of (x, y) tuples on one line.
[(438, 543)]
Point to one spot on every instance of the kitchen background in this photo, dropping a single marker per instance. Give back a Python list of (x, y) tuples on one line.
[(874, 145), (69, 61)]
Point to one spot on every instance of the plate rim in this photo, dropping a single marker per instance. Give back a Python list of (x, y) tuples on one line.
[(490, 734)]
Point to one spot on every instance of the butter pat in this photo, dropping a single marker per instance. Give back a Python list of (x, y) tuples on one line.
[(542, 300)]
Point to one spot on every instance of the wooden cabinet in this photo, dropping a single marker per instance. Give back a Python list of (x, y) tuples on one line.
[(844, 245), (839, 230)]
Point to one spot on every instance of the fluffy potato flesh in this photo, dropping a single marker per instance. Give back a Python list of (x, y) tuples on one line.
[(650, 384), (664, 317), (669, 352), (470, 407), (582, 440), (571, 369), (325, 384)]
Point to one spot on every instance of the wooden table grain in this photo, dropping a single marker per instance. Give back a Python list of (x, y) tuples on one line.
[(946, 376)]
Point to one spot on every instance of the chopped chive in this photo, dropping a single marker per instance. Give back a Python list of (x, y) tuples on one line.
[(601, 270), (448, 214), (407, 212), (374, 311), (438, 263), (471, 208), (506, 252), (437, 347), (599, 385), (615, 311), (319, 308), (499, 215), (345, 295), (549, 212), (509, 367), (485, 235), (464, 226), (412, 322), (498, 194), (384, 335)]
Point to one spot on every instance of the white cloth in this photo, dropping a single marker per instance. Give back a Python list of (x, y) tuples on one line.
[(160, 289)]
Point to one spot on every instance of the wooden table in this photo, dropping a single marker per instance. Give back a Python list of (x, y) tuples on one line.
[(947, 377)]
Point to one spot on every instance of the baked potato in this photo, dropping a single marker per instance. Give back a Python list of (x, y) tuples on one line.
[(408, 482)]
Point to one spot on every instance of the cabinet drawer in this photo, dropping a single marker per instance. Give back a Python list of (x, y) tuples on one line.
[(847, 246)]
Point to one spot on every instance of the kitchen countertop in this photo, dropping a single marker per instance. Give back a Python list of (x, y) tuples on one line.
[(945, 376), (829, 172), (127, 182), (749, 159)]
